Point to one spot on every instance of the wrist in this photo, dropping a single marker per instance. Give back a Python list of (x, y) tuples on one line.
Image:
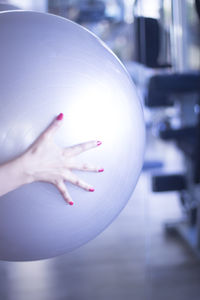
[(13, 175), (22, 164)]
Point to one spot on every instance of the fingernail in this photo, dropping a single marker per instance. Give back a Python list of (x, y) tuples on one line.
[(71, 203), (100, 170), (91, 190), (99, 143), (60, 117)]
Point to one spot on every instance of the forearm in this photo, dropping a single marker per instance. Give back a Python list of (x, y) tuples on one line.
[(12, 175)]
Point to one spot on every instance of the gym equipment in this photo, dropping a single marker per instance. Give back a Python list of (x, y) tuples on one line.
[(178, 90)]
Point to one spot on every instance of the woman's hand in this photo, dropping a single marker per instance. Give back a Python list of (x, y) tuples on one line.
[(45, 161), (49, 163)]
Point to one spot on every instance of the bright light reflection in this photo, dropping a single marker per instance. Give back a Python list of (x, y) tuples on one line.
[(106, 121)]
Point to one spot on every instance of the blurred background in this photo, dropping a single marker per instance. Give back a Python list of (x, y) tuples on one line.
[(152, 250)]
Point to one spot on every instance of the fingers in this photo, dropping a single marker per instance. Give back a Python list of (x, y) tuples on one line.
[(63, 190), (78, 182), (85, 167), (53, 127), (77, 149), (74, 180)]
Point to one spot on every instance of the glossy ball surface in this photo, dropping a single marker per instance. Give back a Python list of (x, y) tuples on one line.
[(51, 65)]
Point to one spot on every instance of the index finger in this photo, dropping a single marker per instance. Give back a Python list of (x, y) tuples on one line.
[(53, 127)]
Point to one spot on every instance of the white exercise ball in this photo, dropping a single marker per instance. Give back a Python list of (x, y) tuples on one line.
[(51, 65)]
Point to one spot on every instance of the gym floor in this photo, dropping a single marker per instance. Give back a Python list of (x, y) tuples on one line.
[(133, 259)]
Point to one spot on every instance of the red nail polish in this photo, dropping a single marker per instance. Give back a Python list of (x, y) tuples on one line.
[(60, 117), (99, 143), (101, 170), (91, 190), (71, 203)]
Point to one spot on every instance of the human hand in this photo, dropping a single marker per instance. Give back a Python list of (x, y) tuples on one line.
[(45, 161)]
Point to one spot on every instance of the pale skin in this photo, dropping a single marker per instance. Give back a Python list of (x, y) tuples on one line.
[(45, 161)]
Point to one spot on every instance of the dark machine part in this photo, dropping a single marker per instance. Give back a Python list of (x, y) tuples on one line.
[(147, 34), (197, 4), (162, 86), (165, 183)]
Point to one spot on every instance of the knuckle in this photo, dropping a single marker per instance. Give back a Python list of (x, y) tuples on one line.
[(58, 183)]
